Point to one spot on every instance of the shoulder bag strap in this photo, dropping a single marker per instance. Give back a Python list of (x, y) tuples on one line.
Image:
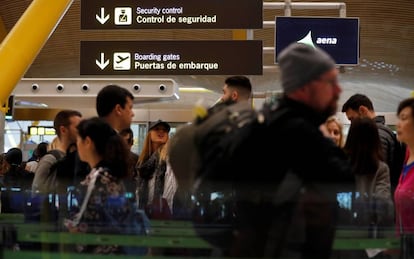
[(75, 221)]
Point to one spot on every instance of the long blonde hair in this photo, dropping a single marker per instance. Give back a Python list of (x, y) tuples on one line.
[(147, 149), (340, 127), (164, 151)]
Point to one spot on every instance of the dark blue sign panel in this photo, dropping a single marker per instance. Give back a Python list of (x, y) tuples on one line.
[(171, 57), (171, 14), (337, 36)]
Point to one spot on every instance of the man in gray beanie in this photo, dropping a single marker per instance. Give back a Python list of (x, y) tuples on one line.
[(305, 70), (315, 167), (301, 63)]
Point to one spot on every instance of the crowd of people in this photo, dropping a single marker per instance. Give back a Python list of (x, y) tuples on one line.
[(306, 144)]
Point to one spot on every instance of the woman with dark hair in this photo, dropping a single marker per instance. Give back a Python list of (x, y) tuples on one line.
[(130, 183), (373, 202), (16, 175), (101, 147), (404, 193), (104, 206)]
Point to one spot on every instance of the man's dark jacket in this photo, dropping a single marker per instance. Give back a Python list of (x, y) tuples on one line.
[(302, 220), (393, 150)]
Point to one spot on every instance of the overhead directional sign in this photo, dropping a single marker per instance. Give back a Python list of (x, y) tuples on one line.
[(171, 14), (337, 36), (171, 57)]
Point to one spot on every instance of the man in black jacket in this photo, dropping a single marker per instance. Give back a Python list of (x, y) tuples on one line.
[(274, 193), (287, 195), (358, 106)]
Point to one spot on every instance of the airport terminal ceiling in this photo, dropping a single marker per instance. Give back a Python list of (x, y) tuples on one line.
[(385, 69)]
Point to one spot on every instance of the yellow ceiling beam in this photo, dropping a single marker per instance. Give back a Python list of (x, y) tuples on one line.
[(20, 47)]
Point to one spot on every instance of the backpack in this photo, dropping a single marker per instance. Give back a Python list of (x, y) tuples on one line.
[(53, 206), (65, 170), (68, 170), (209, 143), (219, 135), (213, 145), (118, 214), (209, 140)]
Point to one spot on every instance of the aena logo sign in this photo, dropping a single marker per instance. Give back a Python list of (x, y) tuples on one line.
[(319, 40)]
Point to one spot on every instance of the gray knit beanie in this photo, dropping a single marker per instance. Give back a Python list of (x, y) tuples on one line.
[(300, 63)]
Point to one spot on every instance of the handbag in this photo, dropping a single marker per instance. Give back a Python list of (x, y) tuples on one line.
[(158, 209), (133, 222)]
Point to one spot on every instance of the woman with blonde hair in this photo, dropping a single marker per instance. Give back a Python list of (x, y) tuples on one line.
[(335, 129), (152, 169)]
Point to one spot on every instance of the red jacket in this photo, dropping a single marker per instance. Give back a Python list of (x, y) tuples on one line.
[(404, 199)]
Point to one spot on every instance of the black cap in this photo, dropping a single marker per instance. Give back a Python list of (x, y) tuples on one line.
[(159, 122), (14, 156)]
